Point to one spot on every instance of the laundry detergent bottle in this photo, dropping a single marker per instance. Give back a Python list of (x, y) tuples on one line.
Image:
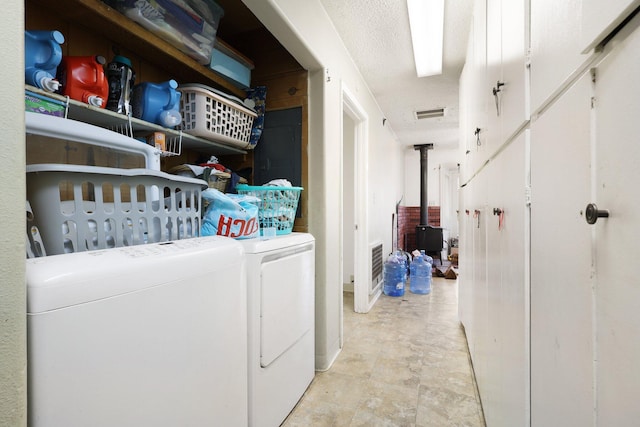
[(157, 103), (42, 55), (83, 79)]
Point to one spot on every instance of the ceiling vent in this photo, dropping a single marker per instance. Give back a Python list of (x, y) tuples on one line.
[(430, 114)]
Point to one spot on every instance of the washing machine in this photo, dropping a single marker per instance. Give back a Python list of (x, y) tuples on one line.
[(148, 335), (281, 335)]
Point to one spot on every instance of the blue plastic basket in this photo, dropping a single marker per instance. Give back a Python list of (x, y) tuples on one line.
[(277, 209)]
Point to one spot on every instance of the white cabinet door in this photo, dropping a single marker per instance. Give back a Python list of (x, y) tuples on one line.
[(465, 263), (505, 387), (617, 156), (561, 286), (480, 349), (492, 135), (491, 389), (555, 46), (504, 87), (505, 90), (467, 140), (477, 125), (512, 225), (513, 99), (600, 17)]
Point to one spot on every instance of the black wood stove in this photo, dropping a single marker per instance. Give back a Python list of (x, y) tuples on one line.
[(428, 238)]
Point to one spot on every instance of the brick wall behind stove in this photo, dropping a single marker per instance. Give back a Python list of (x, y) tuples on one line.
[(408, 219)]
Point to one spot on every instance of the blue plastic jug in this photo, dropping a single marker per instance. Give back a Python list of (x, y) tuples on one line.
[(393, 272), (42, 55), (157, 103), (420, 276), (426, 257), (402, 257)]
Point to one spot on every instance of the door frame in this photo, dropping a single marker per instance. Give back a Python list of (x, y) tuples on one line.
[(363, 300)]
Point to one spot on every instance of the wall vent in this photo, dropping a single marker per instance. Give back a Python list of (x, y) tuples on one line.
[(430, 114), (376, 266)]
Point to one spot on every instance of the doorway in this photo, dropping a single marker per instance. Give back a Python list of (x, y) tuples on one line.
[(356, 262)]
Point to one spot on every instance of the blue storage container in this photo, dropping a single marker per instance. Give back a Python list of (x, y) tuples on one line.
[(231, 67)]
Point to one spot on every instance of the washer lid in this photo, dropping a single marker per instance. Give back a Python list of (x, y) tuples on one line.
[(267, 244), (60, 281)]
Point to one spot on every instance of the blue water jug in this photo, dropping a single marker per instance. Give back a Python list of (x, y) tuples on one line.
[(426, 257), (157, 103), (420, 276), (402, 257), (429, 261), (42, 55), (412, 266), (393, 272)]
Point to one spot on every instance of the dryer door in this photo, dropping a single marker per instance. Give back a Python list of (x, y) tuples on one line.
[(287, 298)]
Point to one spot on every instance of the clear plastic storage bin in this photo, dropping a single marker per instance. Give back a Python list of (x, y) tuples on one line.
[(189, 25), (83, 208)]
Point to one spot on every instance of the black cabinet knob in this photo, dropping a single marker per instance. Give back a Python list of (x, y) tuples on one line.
[(592, 213)]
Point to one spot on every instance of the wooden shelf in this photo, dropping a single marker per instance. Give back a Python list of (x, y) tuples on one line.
[(108, 22)]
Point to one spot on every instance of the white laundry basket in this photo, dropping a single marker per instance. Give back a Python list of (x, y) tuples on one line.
[(83, 208), (209, 115)]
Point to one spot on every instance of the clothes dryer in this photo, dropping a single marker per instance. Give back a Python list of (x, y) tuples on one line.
[(281, 335)]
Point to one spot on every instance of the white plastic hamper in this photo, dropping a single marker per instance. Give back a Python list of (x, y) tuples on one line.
[(209, 115), (83, 208)]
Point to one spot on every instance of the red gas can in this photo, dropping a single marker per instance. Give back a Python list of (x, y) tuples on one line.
[(82, 78)]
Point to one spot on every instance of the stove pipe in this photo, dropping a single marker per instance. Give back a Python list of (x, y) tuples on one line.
[(424, 172)]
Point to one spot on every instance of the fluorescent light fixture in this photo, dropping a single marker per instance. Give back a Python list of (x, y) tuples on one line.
[(426, 19)]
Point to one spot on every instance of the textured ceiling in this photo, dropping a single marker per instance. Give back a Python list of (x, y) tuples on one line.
[(377, 35)]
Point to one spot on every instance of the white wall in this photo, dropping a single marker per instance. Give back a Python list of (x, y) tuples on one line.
[(305, 30), (440, 161), (13, 360), (442, 183)]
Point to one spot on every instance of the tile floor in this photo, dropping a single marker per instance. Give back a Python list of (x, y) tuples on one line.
[(405, 363)]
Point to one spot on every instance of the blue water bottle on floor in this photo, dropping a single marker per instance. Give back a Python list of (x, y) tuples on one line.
[(420, 275), (405, 264), (393, 272), (426, 257)]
